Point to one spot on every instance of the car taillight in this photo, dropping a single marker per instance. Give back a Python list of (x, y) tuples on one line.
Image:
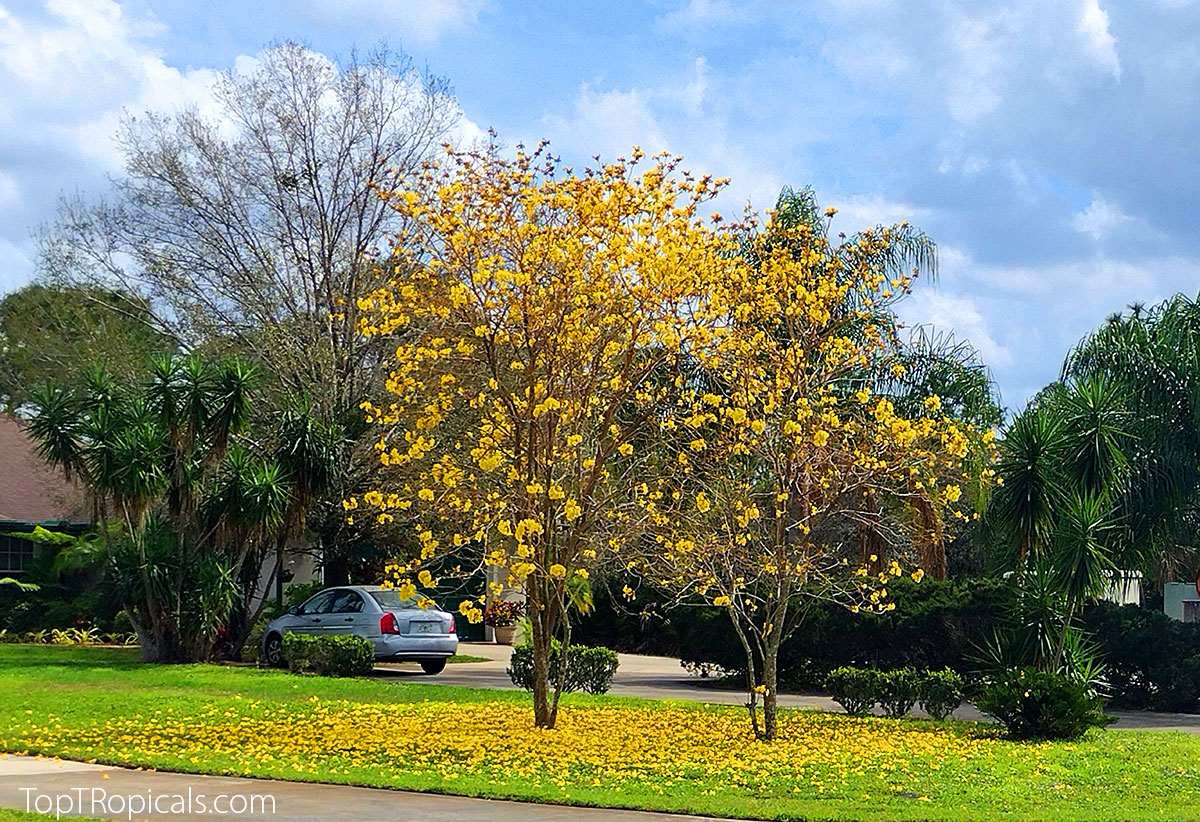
[(387, 624), (453, 627)]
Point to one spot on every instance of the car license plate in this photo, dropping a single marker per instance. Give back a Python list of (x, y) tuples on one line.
[(425, 627)]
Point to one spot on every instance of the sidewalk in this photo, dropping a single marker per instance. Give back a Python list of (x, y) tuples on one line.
[(656, 677), (80, 783)]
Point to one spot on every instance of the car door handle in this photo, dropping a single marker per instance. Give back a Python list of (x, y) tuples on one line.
[(348, 619), (316, 619)]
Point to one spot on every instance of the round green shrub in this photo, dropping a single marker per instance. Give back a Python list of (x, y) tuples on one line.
[(1033, 704), (331, 655), (589, 669), (855, 689), (898, 691), (940, 693)]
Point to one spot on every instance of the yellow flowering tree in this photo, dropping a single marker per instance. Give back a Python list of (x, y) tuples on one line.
[(537, 311), (796, 481)]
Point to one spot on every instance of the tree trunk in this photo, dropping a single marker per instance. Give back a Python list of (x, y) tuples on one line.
[(160, 641), (544, 715), (770, 683)]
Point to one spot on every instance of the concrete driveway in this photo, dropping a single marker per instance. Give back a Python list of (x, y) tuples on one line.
[(656, 677)]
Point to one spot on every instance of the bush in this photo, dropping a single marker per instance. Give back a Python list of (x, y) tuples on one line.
[(936, 624), (940, 693), (1153, 661), (855, 689), (1034, 704), (331, 655), (897, 691), (588, 669)]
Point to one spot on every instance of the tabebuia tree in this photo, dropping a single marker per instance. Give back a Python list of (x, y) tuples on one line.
[(188, 506), (589, 372), (541, 316), (798, 478)]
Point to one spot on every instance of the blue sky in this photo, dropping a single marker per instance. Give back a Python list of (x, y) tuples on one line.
[(1051, 149)]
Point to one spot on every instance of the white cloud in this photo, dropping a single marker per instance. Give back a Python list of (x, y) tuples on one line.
[(422, 21), (1100, 219), (958, 314), (701, 14), (14, 263), (1093, 25), (612, 122), (858, 211), (682, 115), (10, 191), (94, 62), (69, 74)]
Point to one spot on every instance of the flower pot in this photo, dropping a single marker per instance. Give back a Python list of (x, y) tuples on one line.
[(505, 634)]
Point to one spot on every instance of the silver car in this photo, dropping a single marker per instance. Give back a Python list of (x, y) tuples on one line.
[(399, 629)]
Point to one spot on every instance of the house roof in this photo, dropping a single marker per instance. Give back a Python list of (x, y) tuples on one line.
[(31, 490)]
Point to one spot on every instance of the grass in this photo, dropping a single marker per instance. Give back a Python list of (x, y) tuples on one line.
[(99, 703), (9, 815), (466, 658)]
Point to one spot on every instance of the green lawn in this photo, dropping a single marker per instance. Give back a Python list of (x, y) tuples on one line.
[(8, 815), (99, 703)]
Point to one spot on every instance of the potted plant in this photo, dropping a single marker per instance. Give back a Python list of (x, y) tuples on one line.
[(502, 616)]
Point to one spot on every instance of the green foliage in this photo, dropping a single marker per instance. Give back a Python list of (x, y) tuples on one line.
[(589, 669), (936, 624), (52, 334), (18, 584), (855, 689), (937, 364), (940, 692), (329, 655), (67, 636), (191, 506), (898, 691), (858, 690), (1153, 661), (1034, 704)]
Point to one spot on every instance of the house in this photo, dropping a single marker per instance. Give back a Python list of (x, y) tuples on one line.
[(32, 493)]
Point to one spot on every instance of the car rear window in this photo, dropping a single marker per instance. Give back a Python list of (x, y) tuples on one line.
[(389, 599)]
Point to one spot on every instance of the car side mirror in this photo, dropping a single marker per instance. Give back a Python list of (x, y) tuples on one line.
[(294, 610)]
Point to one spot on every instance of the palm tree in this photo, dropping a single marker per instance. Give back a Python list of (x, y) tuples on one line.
[(194, 508), (1102, 471)]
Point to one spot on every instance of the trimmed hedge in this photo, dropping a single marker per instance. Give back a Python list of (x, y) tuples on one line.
[(588, 669), (940, 693), (855, 689), (898, 691), (1153, 661), (329, 655), (936, 624), (858, 690)]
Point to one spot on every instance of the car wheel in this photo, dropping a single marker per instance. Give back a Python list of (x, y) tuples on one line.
[(433, 666), (273, 651)]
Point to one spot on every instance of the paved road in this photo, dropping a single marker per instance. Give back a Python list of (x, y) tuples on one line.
[(79, 783), (655, 677)]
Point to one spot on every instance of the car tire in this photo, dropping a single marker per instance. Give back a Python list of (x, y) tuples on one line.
[(433, 666), (273, 651)]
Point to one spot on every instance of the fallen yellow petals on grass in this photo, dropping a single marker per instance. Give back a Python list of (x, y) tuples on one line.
[(613, 747)]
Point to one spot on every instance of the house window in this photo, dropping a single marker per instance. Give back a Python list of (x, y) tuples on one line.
[(16, 554)]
